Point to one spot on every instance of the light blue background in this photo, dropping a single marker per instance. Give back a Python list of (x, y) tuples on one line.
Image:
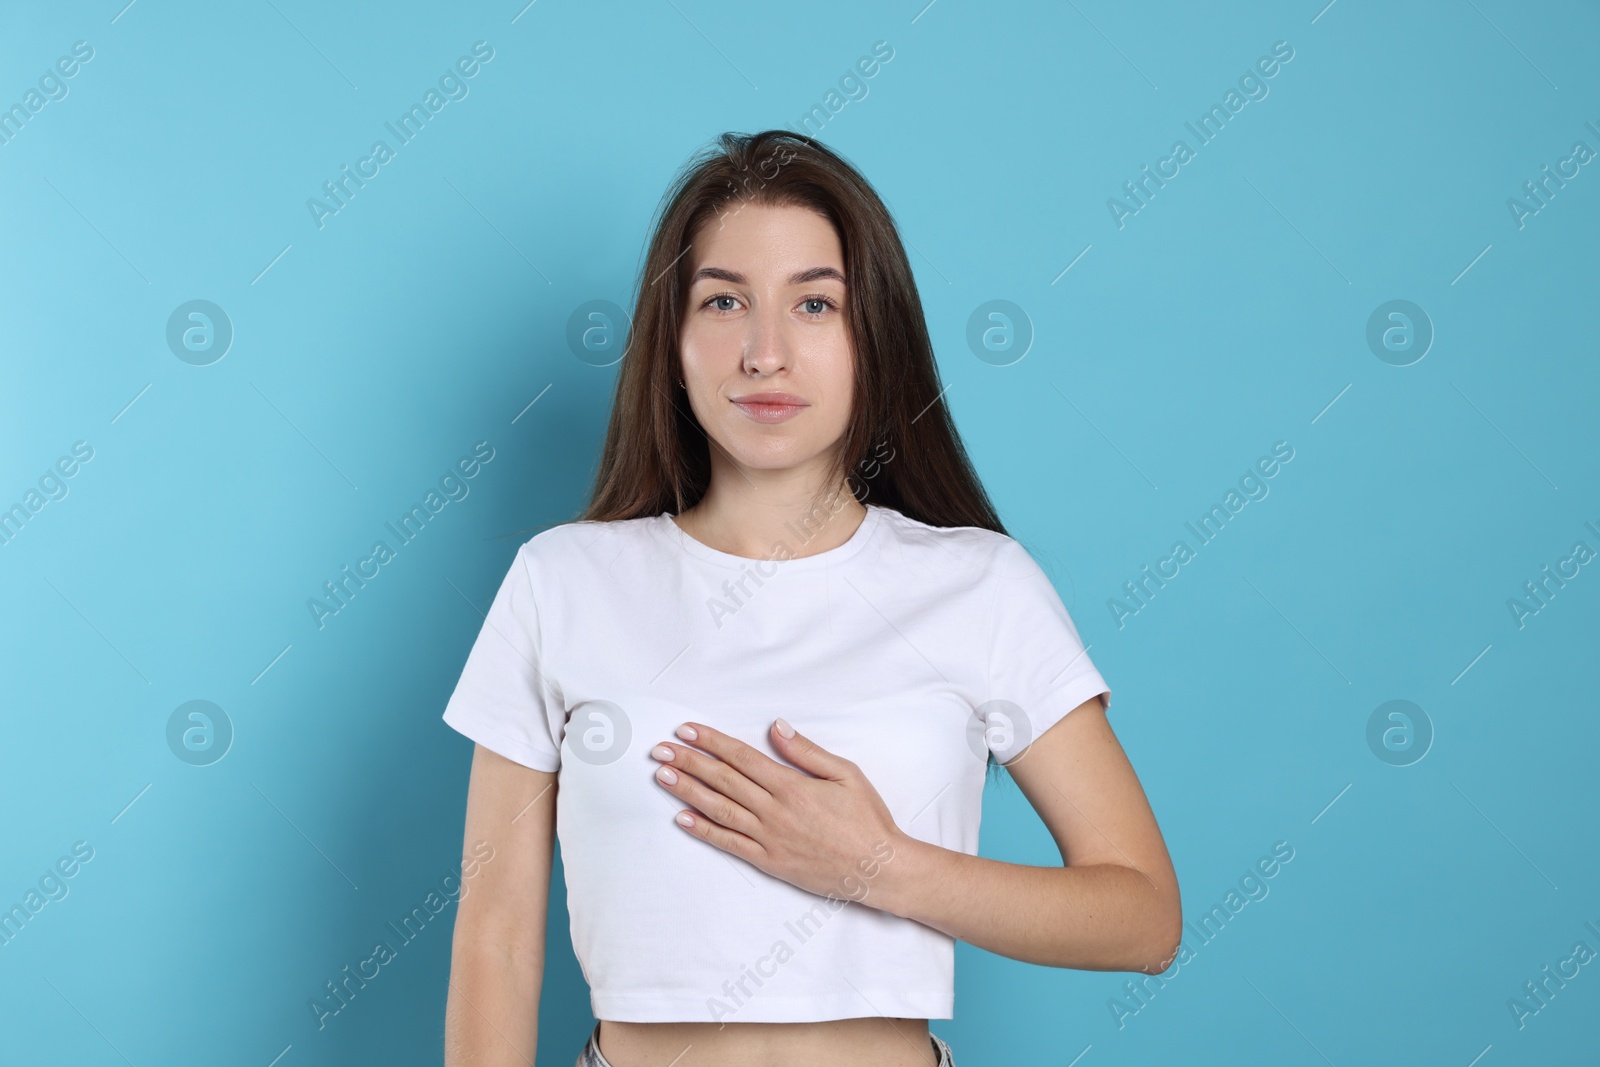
[(1228, 314)]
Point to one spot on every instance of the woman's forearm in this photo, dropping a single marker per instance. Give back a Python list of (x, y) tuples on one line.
[(492, 1010), (1100, 917)]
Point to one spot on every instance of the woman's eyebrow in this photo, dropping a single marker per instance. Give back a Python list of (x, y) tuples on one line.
[(798, 278)]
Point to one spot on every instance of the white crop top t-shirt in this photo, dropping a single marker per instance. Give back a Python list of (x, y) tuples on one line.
[(912, 650)]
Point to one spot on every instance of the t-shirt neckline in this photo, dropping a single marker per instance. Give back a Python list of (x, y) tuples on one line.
[(827, 557)]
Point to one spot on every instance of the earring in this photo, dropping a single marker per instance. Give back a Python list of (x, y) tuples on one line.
[(681, 385)]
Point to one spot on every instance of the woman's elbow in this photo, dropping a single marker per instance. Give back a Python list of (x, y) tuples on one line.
[(1165, 930)]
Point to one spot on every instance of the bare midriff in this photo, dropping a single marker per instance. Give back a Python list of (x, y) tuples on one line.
[(866, 1042)]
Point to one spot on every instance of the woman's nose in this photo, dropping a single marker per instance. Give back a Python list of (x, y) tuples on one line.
[(765, 346)]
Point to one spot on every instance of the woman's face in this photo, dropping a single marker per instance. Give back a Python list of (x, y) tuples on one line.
[(766, 356)]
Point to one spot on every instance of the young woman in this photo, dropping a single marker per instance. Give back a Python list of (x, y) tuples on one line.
[(765, 671)]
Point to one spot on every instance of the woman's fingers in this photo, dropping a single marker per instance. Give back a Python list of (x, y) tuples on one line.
[(701, 782), (729, 841)]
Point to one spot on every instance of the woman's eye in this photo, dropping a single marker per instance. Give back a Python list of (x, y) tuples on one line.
[(814, 306)]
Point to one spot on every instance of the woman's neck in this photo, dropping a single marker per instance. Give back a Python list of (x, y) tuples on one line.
[(756, 528)]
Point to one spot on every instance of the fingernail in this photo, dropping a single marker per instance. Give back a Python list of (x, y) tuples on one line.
[(687, 732), (667, 775), (661, 752), (685, 818), (785, 729)]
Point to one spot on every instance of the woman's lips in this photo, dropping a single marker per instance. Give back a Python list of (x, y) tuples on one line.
[(769, 412)]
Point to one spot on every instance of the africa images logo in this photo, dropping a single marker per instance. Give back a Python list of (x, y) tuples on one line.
[(452, 86)]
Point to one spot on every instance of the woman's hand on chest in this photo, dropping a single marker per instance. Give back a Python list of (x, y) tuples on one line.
[(821, 827)]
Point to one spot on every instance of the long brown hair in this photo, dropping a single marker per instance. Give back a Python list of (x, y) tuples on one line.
[(657, 458), (901, 449)]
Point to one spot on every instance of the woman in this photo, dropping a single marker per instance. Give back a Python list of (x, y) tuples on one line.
[(765, 672)]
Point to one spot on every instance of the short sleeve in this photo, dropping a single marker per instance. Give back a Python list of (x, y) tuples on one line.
[(1038, 669), (503, 700)]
